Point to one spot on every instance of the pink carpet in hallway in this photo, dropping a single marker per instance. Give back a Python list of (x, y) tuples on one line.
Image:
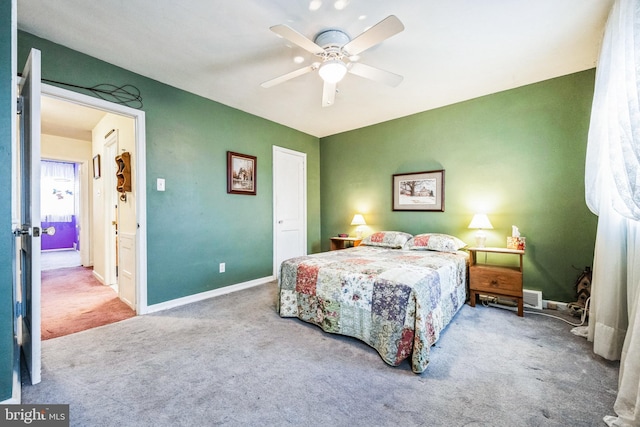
[(73, 300)]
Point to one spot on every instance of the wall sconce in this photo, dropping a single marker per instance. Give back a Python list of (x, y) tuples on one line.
[(480, 222), (360, 222)]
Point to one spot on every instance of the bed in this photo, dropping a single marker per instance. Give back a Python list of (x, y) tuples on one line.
[(395, 292)]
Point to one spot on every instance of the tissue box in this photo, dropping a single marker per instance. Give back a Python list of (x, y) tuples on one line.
[(516, 243)]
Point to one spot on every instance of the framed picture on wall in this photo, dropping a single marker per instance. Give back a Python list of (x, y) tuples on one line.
[(241, 173), (419, 191), (96, 166)]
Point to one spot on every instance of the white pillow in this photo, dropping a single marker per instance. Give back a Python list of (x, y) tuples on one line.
[(435, 242)]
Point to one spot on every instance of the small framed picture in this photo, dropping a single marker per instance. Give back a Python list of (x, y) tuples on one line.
[(241, 173), (419, 191), (96, 166)]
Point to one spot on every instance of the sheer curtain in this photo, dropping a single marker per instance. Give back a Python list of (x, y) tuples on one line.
[(57, 191), (612, 182)]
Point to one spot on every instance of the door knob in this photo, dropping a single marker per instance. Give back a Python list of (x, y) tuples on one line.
[(24, 230), (49, 230)]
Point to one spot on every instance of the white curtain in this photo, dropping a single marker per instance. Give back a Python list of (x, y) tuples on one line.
[(58, 188), (612, 183)]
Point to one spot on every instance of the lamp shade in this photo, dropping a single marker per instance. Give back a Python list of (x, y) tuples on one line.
[(358, 220), (480, 221), (332, 71)]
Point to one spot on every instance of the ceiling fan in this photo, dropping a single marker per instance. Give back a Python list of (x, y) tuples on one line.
[(333, 47)]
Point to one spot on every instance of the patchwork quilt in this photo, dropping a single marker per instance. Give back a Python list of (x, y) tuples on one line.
[(397, 301)]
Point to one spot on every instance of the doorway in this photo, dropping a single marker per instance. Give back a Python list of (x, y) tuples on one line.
[(60, 207), (93, 111), (138, 234), (67, 137)]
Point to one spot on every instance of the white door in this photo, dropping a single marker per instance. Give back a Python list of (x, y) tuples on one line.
[(28, 270), (127, 268), (289, 205)]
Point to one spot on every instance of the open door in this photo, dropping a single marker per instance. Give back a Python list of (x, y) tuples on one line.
[(28, 234)]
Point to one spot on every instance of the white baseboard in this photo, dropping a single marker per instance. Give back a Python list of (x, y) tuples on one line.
[(554, 305), (98, 277), (206, 295)]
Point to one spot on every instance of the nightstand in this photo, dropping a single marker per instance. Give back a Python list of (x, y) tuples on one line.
[(495, 280), (344, 242)]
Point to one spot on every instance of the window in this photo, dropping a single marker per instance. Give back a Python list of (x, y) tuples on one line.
[(58, 191)]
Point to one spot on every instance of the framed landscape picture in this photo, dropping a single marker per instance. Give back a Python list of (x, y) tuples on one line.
[(241, 173), (419, 191)]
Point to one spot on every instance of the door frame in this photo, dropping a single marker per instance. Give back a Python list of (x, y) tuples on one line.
[(111, 207), (140, 183)]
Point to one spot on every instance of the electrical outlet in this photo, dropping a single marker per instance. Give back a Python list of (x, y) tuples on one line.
[(222, 267)]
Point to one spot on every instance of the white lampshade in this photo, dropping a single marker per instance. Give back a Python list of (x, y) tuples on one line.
[(480, 221), (332, 71), (358, 220)]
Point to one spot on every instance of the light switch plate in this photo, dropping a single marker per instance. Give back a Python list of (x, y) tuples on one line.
[(160, 184)]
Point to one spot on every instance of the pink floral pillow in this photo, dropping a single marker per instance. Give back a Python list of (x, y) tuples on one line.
[(387, 239), (435, 242)]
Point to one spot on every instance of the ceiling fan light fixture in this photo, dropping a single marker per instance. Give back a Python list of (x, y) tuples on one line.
[(332, 71)]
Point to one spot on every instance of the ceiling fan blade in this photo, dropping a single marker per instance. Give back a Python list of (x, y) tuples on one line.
[(328, 94), (290, 75), (384, 29), (374, 73), (295, 37)]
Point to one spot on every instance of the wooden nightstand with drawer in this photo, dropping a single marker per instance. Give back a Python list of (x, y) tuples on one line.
[(495, 280)]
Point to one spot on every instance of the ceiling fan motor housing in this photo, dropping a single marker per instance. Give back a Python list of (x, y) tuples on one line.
[(332, 41)]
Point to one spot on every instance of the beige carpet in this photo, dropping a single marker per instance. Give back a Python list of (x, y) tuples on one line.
[(232, 361)]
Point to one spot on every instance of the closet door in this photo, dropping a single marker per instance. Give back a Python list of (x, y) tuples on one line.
[(290, 205)]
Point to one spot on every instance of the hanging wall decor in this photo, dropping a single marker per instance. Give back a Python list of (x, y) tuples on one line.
[(419, 191), (123, 174), (241, 173)]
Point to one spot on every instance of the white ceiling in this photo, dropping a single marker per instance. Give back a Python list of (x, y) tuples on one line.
[(68, 120), (450, 50)]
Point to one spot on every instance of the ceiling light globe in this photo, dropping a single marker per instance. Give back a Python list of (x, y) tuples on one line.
[(332, 71)]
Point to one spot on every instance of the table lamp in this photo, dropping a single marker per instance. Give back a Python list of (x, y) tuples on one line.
[(359, 221), (480, 222)]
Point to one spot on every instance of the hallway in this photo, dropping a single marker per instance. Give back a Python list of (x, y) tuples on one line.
[(73, 300)]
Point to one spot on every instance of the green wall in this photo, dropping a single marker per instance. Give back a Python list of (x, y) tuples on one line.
[(195, 225), (6, 238), (517, 155)]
